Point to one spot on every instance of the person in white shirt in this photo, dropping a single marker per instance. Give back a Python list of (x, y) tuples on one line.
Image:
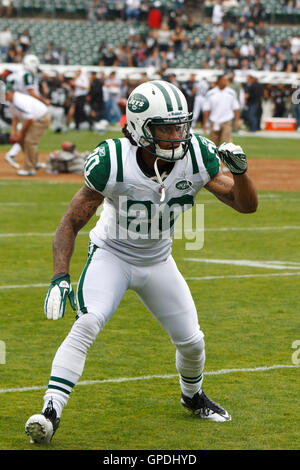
[(81, 86), (221, 106), (217, 17), (26, 81), (35, 119), (295, 44), (5, 40), (200, 90)]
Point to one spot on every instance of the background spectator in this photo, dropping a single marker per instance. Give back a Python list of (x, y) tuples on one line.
[(5, 39)]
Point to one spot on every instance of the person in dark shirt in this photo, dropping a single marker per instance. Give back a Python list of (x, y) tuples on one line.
[(95, 99), (109, 58), (279, 97), (253, 101)]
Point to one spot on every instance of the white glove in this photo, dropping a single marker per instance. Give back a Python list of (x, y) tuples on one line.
[(233, 157), (59, 291)]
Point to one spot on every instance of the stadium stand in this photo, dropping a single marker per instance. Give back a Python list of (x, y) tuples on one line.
[(194, 54), (102, 34), (279, 11)]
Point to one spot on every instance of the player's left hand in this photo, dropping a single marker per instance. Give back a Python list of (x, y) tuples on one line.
[(233, 157)]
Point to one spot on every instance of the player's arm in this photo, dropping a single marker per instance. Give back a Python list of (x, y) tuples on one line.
[(35, 95), (239, 193), (82, 207), (79, 212)]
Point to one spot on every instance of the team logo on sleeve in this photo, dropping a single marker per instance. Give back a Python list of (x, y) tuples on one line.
[(138, 103)]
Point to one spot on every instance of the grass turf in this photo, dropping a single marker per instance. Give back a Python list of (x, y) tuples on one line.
[(248, 323)]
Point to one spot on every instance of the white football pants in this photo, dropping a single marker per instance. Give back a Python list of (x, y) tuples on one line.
[(164, 292)]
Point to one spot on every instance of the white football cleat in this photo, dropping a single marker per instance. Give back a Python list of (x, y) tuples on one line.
[(26, 172), (11, 159), (40, 165), (41, 427)]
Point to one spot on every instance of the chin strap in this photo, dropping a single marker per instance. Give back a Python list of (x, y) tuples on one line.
[(159, 179)]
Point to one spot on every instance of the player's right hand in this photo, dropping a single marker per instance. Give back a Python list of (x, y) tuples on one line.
[(59, 291)]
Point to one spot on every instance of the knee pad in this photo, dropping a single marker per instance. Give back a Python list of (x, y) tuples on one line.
[(86, 329), (192, 350), (72, 352)]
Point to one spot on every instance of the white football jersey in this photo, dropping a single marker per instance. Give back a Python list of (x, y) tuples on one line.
[(23, 80), (134, 223)]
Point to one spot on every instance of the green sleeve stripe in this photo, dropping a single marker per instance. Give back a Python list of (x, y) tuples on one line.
[(194, 159), (98, 167), (166, 95), (119, 160), (210, 160)]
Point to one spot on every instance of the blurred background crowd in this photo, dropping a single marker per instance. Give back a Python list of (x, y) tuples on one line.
[(223, 36)]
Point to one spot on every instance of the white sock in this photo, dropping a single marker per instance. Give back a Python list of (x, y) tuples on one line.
[(62, 381), (16, 148), (69, 360), (190, 361)]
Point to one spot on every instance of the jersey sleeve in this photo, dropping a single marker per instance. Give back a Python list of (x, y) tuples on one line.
[(97, 168), (210, 158)]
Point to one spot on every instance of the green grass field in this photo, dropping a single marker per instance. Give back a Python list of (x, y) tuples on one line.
[(128, 396)]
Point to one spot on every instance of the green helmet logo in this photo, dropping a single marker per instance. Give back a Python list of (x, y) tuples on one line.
[(138, 103)]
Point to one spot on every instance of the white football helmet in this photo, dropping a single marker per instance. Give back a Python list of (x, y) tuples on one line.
[(159, 103), (31, 63)]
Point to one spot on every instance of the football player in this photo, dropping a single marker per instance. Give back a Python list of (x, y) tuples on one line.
[(25, 81), (158, 165)]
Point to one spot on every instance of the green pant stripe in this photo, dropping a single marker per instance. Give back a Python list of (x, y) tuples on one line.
[(82, 307), (59, 388), (119, 160), (194, 159), (62, 381)]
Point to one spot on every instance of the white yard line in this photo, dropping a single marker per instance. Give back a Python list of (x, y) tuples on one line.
[(240, 276), (202, 278), (33, 234), (208, 229), (151, 377), (244, 262)]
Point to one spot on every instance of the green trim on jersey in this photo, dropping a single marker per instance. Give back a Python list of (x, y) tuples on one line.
[(119, 160), (209, 156), (97, 167), (194, 159)]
